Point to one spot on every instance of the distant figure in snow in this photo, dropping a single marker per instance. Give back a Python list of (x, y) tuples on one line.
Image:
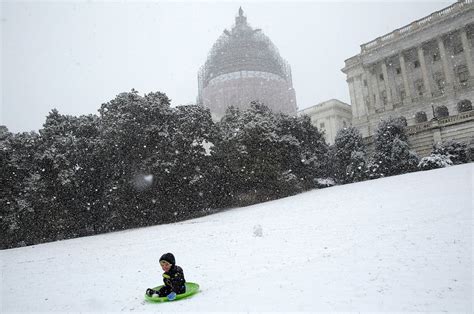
[(173, 277)]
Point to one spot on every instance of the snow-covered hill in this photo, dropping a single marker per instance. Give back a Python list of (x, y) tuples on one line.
[(402, 243)]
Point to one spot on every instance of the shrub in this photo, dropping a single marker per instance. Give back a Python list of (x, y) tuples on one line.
[(456, 151), (357, 169), (434, 161), (470, 153), (392, 155), (403, 120), (347, 142)]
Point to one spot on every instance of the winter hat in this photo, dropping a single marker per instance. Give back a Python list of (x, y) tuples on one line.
[(168, 257)]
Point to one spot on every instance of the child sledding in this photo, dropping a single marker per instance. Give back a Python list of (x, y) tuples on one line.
[(175, 285)]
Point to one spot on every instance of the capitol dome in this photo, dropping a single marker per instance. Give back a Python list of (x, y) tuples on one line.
[(244, 65)]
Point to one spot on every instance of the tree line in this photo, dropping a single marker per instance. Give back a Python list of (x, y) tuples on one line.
[(140, 162)]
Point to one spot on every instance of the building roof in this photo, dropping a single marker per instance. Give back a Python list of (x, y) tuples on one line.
[(402, 33), (325, 106)]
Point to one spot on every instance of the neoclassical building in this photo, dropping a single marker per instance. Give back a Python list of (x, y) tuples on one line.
[(413, 70), (329, 116), (242, 66)]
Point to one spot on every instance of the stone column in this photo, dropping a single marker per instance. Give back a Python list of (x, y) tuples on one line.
[(359, 94), (371, 106), (332, 129), (392, 82), (447, 69), (387, 85), (424, 70), (467, 52), (354, 104), (405, 77), (375, 89)]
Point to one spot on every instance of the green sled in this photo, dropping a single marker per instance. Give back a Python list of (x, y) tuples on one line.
[(191, 288)]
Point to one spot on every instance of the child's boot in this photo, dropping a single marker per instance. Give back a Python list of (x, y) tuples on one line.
[(150, 292)]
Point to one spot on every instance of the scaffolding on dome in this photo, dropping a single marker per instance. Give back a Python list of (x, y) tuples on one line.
[(242, 49)]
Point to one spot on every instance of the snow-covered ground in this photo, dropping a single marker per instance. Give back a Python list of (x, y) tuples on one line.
[(402, 243)]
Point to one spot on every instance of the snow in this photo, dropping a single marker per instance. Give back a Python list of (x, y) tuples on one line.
[(400, 243)]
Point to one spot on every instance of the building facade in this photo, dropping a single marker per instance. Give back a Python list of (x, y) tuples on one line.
[(412, 71), (244, 66), (329, 116)]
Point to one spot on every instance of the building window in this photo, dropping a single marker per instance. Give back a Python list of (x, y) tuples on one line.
[(435, 56), (344, 124), (365, 83), (366, 101), (439, 80), (384, 97), (416, 64), (441, 112), (402, 94), (398, 70), (321, 125), (470, 34), (462, 74), (419, 87), (381, 77), (457, 49), (457, 45)]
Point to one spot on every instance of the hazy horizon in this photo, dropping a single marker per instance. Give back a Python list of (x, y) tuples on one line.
[(74, 56)]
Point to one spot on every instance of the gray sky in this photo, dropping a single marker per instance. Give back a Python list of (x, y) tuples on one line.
[(76, 55)]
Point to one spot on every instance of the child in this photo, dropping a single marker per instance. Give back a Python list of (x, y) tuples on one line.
[(173, 278)]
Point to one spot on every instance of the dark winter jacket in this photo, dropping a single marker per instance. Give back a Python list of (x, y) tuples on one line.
[(174, 279)]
